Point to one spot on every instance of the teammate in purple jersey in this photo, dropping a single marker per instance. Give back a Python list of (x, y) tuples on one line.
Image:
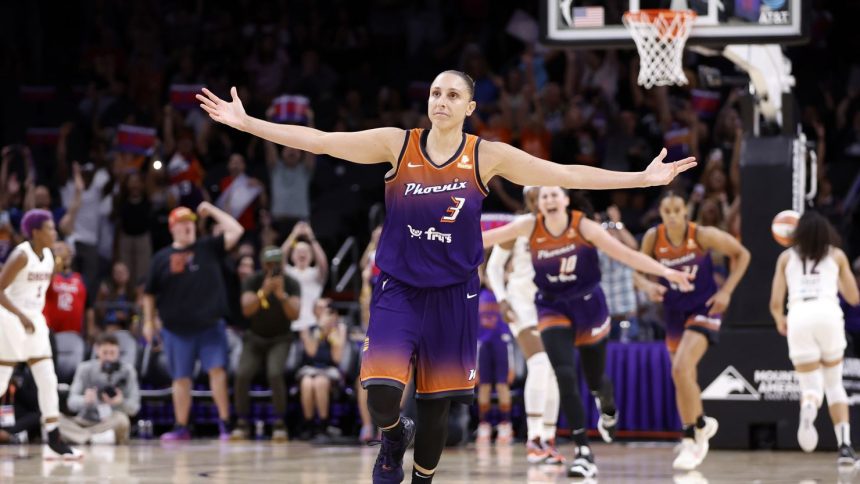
[(692, 318), (572, 307), (425, 304), (494, 370)]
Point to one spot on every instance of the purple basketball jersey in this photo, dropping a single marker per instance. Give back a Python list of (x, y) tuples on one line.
[(567, 264), (688, 257), (432, 232), (491, 323)]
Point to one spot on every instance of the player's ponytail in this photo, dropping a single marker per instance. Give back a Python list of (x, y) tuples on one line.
[(813, 236)]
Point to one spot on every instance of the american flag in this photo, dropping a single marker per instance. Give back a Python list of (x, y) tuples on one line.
[(588, 17)]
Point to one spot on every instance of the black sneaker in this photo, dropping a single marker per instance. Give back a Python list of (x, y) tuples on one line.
[(583, 464), (59, 450), (607, 424), (846, 456), (388, 468)]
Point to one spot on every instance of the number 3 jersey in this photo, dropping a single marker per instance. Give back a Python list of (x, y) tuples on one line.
[(566, 265), (432, 231), (689, 257)]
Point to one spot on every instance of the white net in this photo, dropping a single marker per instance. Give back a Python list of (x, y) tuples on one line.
[(660, 36)]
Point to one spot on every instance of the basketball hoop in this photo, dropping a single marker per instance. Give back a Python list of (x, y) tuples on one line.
[(660, 36)]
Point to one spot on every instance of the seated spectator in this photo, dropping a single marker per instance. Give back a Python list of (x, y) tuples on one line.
[(104, 394), (23, 396), (270, 301), (307, 263), (116, 303), (323, 350), (66, 298)]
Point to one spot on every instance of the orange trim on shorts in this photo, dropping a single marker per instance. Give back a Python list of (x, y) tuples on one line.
[(707, 324), (449, 389), (588, 339), (386, 377), (553, 322)]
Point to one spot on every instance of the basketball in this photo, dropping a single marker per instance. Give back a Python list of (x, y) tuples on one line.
[(783, 226)]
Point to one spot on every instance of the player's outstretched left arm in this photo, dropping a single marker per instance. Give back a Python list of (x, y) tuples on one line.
[(777, 294), (739, 259), (522, 225), (613, 247), (522, 168)]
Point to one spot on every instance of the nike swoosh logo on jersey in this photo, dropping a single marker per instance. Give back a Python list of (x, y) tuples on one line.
[(410, 165), (471, 296), (540, 240), (663, 249)]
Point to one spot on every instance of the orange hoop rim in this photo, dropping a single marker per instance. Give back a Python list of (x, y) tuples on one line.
[(650, 15)]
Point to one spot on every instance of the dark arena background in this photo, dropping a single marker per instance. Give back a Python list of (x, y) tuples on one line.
[(99, 124)]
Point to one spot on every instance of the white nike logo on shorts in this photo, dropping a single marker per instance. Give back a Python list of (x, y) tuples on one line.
[(384, 283), (470, 296)]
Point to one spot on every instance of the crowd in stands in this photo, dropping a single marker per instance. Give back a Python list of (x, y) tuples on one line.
[(99, 129)]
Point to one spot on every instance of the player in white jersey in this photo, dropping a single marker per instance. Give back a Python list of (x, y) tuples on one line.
[(517, 304), (815, 271), (23, 330)]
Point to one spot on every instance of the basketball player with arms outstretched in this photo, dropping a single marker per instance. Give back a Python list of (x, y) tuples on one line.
[(517, 305), (24, 281), (692, 318), (424, 309), (571, 305), (814, 272)]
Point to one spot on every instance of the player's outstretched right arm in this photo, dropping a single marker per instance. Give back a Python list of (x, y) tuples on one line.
[(371, 146)]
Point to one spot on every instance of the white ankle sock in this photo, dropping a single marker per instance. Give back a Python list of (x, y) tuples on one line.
[(843, 433)]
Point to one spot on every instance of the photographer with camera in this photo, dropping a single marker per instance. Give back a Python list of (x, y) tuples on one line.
[(104, 394), (271, 302)]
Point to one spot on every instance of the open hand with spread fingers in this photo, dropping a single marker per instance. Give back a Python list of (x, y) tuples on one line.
[(659, 173), (230, 113)]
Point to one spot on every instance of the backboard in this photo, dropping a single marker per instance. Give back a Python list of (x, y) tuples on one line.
[(597, 23)]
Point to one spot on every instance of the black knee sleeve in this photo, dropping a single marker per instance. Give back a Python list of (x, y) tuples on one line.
[(558, 343), (383, 403), (432, 431), (593, 359)]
